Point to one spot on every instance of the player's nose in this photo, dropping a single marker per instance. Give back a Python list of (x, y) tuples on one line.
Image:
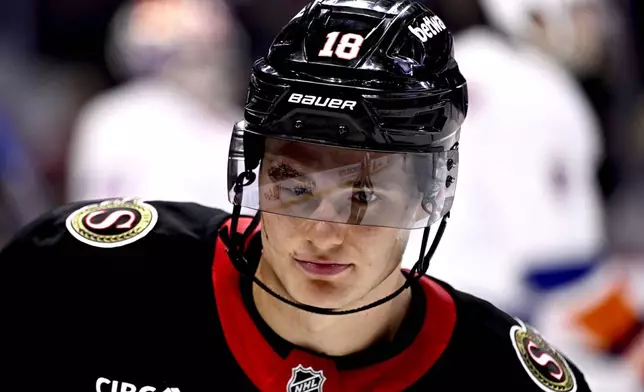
[(325, 235)]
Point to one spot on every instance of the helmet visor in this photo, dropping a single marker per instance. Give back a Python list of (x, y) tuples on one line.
[(333, 184)]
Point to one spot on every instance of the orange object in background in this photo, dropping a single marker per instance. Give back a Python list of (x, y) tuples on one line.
[(612, 321)]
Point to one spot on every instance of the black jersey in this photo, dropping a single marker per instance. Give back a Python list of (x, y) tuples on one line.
[(133, 296)]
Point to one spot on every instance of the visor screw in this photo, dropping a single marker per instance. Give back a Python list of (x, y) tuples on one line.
[(298, 124), (450, 180), (450, 164), (342, 129)]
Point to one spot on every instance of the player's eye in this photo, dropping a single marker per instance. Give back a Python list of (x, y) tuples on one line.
[(364, 196)]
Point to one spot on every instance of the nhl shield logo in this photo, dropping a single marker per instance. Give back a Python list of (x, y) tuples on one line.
[(305, 380)]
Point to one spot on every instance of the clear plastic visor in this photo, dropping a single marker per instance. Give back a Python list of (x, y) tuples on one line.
[(359, 187)]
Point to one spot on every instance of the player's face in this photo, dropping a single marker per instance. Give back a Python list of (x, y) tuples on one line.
[(321, 261)]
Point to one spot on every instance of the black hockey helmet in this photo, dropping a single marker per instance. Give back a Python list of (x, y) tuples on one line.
[(365, 96)]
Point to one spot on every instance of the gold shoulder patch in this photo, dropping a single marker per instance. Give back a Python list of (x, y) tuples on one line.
[(112, 223), (547, 368)]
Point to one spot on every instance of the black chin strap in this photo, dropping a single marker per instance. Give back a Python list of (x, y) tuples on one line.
[(235, 244)]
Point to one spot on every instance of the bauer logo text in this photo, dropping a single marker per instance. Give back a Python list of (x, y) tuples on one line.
[(313, 100)]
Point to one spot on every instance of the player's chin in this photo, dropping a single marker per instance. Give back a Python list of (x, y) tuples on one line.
[(323, 294)]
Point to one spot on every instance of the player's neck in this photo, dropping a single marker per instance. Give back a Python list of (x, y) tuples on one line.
[(337, 335)]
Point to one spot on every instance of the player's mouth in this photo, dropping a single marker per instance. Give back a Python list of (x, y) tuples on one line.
[(322, 267)]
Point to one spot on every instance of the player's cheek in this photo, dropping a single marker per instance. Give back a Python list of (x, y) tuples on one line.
[(373, 243)]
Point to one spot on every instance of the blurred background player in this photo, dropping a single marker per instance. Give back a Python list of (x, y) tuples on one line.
[(533, 68), (537, 204), (594, 311), (164, 133)]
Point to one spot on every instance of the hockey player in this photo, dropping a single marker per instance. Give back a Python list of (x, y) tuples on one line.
[(350, 139)]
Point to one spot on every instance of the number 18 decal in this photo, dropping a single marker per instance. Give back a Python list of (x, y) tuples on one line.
[(347, 49)]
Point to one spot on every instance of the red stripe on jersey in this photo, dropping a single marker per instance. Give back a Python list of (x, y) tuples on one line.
[(269, 372)]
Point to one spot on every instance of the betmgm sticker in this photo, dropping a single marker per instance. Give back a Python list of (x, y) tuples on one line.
[(112, 223), (547, 368)]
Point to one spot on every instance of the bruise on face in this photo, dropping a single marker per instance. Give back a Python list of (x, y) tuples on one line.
[(282, 172)]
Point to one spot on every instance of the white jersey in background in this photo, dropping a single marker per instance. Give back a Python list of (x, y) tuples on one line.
[(150, 140), (527, 195), (164, 133)]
